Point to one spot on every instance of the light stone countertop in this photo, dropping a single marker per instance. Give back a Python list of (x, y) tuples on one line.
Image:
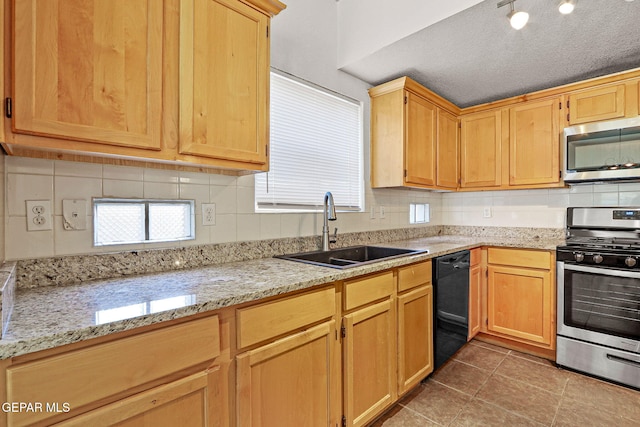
[(47, 317)]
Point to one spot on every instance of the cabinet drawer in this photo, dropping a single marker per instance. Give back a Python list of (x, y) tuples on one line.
[(358, 292), (414, 275), (87, 375), (476, 255), (262, 322), (520, 258)]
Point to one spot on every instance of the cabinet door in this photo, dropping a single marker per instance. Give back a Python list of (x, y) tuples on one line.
[(415, 337), (420, 154), (481, 150), (597, 104), (534, 143), (89, 71), (289, 382), (369, 368), (475, 300), (193, 401), (447, 151), (224, 76), (520, 303)]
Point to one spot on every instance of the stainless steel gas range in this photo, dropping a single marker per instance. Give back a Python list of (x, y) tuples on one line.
[(598, 278)]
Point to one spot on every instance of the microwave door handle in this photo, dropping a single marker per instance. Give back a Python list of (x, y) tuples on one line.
[(603, 271)]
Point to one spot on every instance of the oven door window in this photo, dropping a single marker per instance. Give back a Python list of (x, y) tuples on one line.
[(601, 302)]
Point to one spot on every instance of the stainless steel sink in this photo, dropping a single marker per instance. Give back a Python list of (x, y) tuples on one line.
[(350, 257)]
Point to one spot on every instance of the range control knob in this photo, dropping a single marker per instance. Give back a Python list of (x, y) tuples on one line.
[(597, 259), (630, 262), (578, 257)]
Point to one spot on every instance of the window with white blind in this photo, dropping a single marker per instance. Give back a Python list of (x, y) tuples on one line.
[(316, 146)]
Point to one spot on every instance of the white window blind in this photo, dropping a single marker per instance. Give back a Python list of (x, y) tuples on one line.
[(316, 146)]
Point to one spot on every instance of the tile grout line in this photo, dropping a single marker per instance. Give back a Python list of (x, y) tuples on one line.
[(494, 372), (562, 397)]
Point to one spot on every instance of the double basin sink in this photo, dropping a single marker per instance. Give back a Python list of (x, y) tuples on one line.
[(350, 257)]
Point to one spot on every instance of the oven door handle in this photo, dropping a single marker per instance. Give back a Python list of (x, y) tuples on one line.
[(603, 271)]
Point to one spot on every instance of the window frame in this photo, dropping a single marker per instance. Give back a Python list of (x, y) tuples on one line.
[(146, 202), (318, 206)]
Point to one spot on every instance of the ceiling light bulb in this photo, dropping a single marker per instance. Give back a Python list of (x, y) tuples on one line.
[(566, 6), (518, 19)]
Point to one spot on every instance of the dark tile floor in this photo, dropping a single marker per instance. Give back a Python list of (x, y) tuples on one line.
[(485, 385)]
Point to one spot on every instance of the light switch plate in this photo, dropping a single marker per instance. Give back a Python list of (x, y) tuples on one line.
[(74, 214)]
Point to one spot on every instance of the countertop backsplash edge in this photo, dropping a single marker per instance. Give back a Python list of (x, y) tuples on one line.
[(74, 269)]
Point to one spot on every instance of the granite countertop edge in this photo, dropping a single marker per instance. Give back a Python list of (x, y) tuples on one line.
[(214, 287)]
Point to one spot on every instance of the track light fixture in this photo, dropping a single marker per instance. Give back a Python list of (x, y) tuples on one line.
[(566, 6), (517, 18)]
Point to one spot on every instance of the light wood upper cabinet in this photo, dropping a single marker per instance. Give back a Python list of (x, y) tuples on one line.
[(89, 71), (481, 150), (447, 151), (414, 139), (182, 82), (420, 149), (534, 142), (592, 105), (224, 79)]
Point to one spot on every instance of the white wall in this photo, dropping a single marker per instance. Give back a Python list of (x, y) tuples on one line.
[(366, 26)]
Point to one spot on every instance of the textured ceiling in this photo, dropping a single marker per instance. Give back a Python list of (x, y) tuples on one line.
[(475, 56)]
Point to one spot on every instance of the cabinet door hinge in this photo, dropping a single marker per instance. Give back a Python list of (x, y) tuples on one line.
[(266, 150), (267, 31), (560, 174), (405, 173), (8, 107), (343, 331), (405, 99), (344, 421), (559, 105), (567, 104), (567, 116)]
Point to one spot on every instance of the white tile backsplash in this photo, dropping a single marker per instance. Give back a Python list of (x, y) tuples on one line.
[(22, 187), (236, 220), (92, 170)]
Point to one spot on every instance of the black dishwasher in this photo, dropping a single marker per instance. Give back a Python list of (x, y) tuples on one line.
[(451, 305)]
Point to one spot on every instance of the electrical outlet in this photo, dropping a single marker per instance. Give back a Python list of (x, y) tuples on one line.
[(39, 215), (486, 212), (208, 214), (372, 214), (381, 211)]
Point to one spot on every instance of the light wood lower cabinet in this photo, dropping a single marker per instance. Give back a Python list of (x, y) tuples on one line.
[(193, 401), (288, 382), (415, 337), (521, 296), (369, 362), (475, 294), (139, 377)]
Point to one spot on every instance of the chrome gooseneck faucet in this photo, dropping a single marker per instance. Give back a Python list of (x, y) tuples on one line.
[(329, 215)]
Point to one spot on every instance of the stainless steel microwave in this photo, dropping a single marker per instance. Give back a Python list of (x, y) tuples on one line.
[(602, 151)]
